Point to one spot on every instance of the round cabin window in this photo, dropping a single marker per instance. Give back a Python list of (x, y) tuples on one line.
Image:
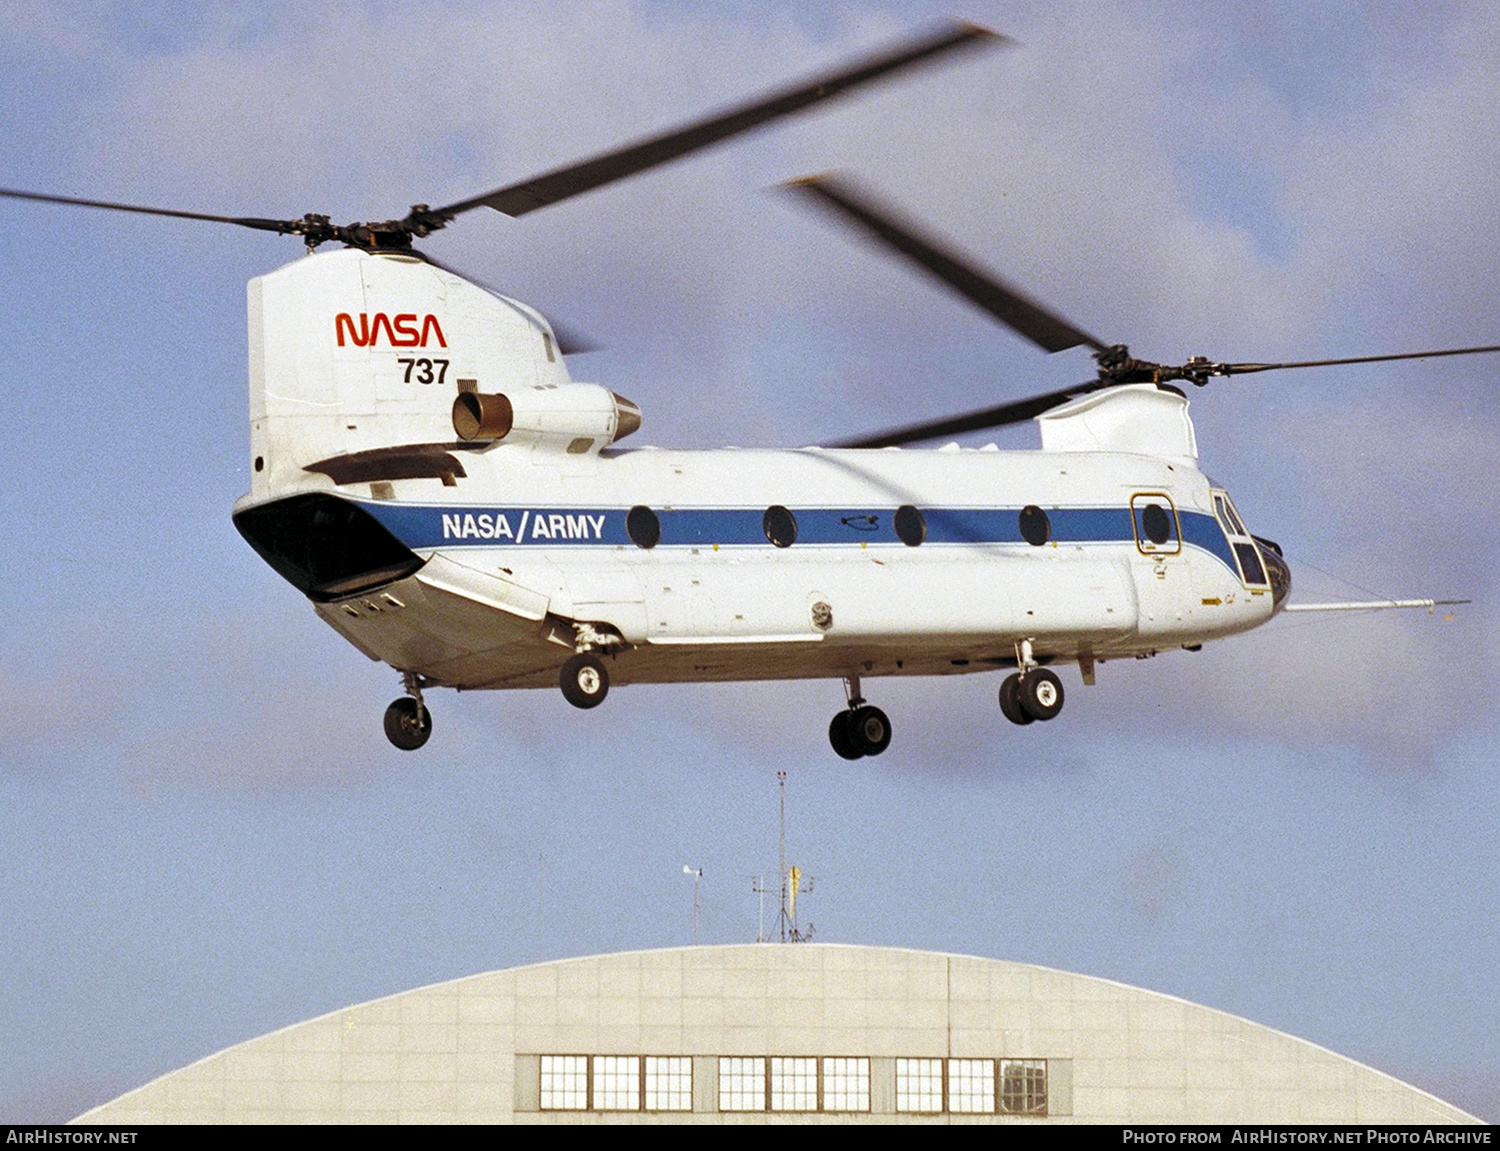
[(643, 527), (1036, 528), (780, 526), (911, 525)]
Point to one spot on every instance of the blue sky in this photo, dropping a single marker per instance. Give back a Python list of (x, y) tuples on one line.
[(206, 834)]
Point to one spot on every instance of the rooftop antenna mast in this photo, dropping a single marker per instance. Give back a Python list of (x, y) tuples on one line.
[(758, 886), (697, 874), (791, 882)]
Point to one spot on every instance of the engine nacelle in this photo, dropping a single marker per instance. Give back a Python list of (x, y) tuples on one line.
[(578, 418)]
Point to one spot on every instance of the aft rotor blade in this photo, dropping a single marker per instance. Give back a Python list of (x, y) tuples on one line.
[(569, 341), (1015, 412), (1012, 308), (282, 226), (1246, 369), (562, 183)]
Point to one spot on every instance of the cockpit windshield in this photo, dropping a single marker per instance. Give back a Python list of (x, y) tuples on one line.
[(1227, 516), (1248, 555), (1260, 561)]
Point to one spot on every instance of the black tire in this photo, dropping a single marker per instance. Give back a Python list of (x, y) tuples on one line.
[(870, 730), (1010, 701), (1041, 693), (407, 725), (584, 680), (841, 736)]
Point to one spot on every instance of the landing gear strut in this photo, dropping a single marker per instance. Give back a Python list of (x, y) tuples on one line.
[(408, 723), (584, 679), (860, 729)]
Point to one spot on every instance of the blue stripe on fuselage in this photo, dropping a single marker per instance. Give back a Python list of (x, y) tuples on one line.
[(425, 527), (1202, 530)]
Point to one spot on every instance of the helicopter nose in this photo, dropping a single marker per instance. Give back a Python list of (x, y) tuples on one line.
[(1277, 570)]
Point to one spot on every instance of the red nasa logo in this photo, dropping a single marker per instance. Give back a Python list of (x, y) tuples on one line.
[(402, 331)]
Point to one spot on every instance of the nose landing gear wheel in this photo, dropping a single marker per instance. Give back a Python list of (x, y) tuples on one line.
[(584, 680), (1010, 701), (407, 724)]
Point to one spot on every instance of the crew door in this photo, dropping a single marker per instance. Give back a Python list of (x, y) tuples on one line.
[(1163, 580)]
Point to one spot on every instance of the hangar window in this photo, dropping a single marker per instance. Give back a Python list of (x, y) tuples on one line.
[(846, 1084), (617, 1083), (919, 1085), (794, 1084), (565, 1082), (971, 1086), (1023, 1086), (790, 1084), (669, 1083), (742, 1083)]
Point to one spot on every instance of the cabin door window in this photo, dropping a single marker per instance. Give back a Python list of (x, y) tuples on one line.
[(1157, 531)]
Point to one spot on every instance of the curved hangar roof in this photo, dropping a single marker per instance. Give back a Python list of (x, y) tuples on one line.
[(804, 1032)]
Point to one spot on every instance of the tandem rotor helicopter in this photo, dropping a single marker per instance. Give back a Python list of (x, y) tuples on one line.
[(429, 475)]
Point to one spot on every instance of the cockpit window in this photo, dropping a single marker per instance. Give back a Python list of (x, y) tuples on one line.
[(1250, 563), (1246, 551), (1227, 515)]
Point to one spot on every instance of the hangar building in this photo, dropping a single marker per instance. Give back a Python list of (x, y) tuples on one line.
[(760, 1032)]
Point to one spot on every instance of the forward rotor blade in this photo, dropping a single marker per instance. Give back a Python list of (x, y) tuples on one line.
[(1246, 369), (283, 226), (560, 184), (1018, 411), (1013, 309)]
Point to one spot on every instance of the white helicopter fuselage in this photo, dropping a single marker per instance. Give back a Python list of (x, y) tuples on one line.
[(486, 563)]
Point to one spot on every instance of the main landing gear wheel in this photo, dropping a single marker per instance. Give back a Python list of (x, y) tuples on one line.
[(584, 681), (1041, 693), (1010, 701), (841, 735), (407, 723), (871, 730), (859, 732), (1036, 695)]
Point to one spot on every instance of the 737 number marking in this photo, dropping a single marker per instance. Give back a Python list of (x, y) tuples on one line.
[(428, 371)]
